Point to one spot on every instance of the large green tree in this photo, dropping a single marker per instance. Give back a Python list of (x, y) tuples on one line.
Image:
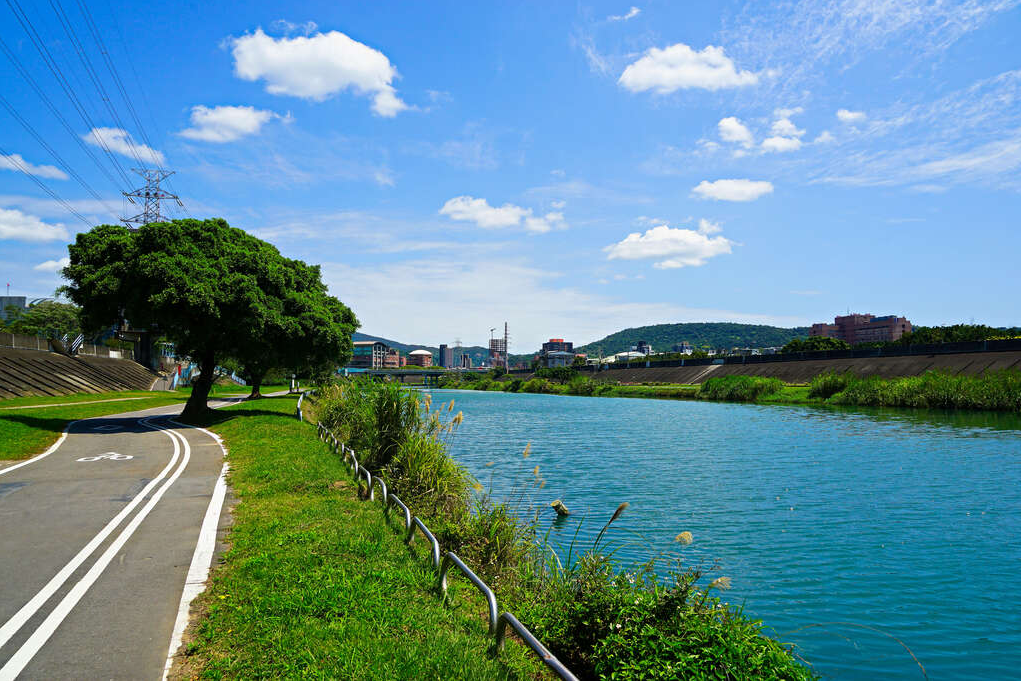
[(48, 318), (213, 290), (814, 344)]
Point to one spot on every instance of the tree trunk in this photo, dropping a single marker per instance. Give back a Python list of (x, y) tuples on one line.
[(256, 385), (196, 406)]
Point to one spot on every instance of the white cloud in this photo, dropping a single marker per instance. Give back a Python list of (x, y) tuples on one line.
[(631, 14), (732, 190), (120, 141), (470, 209), (785, 128), (787, 113), (706, 227), (824, 137), (678, 66), (317, 67), (846, 116), (22, 227), (53, 265), (733, 130), (781, 144), (671, 247), (403, 300), (225, 123), (17, 163), (558, 204)]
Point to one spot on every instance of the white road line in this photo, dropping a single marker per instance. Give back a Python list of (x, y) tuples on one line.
[(17, 663), (60, 440), (19, 619)]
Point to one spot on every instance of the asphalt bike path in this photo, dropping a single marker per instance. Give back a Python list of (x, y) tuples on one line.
[(99, 539)]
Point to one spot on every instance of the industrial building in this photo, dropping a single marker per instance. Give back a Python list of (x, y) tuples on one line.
[(863, 328)]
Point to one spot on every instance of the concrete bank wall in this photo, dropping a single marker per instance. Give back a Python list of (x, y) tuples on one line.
[(30, 372), (971, 363)]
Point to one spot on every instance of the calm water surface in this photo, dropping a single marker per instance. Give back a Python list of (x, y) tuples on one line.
[(906, 522)]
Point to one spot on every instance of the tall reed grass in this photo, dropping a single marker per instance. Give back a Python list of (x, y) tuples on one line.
[(738, 388)]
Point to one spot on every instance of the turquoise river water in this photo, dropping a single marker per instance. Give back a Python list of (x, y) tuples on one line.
[(841, 530)]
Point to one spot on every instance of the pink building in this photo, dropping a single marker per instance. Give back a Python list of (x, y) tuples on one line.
[(863, 328)]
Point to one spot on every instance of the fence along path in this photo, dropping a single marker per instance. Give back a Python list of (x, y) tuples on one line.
[(498, 623)]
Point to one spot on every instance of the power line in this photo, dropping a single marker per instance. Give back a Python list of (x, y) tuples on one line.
[(58, 74), (42, 185), (64, 165), (56, 112)]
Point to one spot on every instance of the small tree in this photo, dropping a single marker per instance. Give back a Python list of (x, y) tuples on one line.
[(213, 290), (48, 318)]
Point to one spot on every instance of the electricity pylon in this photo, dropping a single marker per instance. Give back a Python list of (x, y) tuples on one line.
[(151, 195)]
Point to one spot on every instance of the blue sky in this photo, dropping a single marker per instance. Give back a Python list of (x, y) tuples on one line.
[(572, 169)]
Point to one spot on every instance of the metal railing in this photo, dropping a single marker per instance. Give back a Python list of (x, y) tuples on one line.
[(497, 623)]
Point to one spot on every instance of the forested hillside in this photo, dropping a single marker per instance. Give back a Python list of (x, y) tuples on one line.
[(701, 335)]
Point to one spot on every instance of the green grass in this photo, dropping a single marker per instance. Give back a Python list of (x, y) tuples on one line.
[(317, 584), (77, 397), (231, 388), (27, 432)]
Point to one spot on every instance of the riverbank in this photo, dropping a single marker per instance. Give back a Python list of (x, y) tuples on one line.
[(992, 391)]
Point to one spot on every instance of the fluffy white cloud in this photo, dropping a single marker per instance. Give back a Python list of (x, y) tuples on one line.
[(479, 211), (317, 67), (784, 127), (53, 265), (120, 141), (733, 130), (631, 14), (678, 66), (846, 116), (22, 227), (17, 163), (470, 209), (225, 123), (671, 247), (824, 137), (732, 190), (781, 144), (787, 113)]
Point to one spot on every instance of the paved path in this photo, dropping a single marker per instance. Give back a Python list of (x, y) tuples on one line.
[(99, 541)]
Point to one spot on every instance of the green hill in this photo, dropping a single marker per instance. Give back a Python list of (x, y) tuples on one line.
[(702, 335)]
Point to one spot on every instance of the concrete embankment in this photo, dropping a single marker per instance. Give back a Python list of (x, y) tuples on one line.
[(969, 363), (32, 372)]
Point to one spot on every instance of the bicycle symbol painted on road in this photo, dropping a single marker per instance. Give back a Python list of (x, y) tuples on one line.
[(111, 456)]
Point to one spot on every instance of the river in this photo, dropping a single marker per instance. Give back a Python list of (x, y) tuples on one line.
[(850, 533)]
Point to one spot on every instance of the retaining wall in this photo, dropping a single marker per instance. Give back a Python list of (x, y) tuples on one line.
[(30, 372)]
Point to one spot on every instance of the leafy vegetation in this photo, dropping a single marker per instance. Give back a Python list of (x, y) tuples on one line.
[(815, 344), (738, 388), (215, 291), (956, 333), (999, 391), (46, 318)]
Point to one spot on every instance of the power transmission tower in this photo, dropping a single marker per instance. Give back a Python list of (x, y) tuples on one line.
[(151, 194)]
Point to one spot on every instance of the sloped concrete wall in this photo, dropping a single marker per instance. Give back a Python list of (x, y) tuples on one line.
[(30, 372)]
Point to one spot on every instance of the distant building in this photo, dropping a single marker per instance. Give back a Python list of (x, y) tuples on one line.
[(368, 355), (556, 353), (446, 357), (11, 301), (863, 328), (420, 358), (557, 345), (642, 348), (684, 348), (465, 361), (392, 359)]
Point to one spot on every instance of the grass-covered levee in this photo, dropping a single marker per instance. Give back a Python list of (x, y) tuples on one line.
[(602, 619)]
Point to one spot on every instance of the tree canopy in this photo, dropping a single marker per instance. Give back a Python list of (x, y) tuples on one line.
[(814, 344), (48, 317), (213, 290)]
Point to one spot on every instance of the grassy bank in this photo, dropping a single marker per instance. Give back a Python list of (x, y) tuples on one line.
[(994, 391), (317, 584), (603, 619), (27, 432)]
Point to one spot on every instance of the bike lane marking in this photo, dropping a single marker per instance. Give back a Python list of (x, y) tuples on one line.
[(19, 619)]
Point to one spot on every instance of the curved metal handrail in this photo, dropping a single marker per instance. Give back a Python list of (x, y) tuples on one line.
[(362, 470), (548, 658), (382, 488), (415, 522), (452, 559), (395, 500)]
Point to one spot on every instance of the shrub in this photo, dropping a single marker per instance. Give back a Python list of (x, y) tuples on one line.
[(829, 384), (561, 374), (537, 385), (739, 388)]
